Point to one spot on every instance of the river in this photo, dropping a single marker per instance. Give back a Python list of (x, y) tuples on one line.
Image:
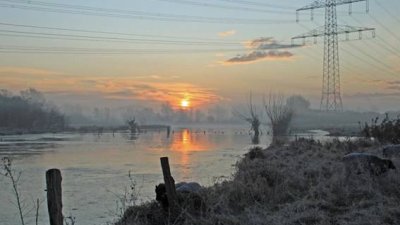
[(95, 167)]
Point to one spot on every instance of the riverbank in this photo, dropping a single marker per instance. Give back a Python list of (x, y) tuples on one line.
[(300, 183), (83, 129)]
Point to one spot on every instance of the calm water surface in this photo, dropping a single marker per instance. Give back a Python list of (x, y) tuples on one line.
[(95, 167)]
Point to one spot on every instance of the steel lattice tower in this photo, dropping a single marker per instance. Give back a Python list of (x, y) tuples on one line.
[(331, 99)]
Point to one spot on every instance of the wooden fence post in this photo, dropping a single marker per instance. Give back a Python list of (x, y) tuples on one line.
[(169, 182), (54, 196)]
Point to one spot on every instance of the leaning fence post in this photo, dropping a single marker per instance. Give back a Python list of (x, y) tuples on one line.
[(169, 182), (54, 196)]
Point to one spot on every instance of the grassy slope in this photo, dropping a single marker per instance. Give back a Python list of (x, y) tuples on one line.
[(301, 183)]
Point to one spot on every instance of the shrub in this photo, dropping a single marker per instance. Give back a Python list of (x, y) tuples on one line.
[(280, 115), (386, 131)]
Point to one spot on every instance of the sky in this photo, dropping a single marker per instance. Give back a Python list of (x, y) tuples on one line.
[(204, 52)]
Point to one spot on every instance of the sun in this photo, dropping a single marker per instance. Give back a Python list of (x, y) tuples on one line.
[(185, 103)]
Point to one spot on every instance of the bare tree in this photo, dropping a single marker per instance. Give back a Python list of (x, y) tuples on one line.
[(280, 115), (252, 118), (133, 125)]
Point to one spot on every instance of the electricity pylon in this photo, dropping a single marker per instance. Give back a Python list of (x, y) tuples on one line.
[(331, 99)]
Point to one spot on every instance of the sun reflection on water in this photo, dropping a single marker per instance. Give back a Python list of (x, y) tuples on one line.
[(185, 143)]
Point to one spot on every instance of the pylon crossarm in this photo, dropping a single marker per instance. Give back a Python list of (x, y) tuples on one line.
[(320, 31), (341, 29), (322, 4), (314, 5)]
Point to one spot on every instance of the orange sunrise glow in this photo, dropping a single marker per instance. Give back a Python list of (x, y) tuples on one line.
[(185, 103)]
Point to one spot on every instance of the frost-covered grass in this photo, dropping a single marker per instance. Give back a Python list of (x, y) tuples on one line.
[(300, 183)]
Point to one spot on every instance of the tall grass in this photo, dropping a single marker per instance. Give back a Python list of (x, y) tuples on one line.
[(300, 183), (13, 175), (385, 131), (9, 172)]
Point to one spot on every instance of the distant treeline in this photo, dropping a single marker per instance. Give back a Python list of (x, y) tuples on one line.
[(28, 112)]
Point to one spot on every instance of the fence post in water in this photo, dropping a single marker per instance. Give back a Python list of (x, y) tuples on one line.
[(169, 182), (54, 196)]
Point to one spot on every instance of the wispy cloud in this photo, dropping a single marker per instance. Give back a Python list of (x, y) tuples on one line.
[(256, 56), (393, 85), (27, 71), (374, 95), (157, 91), (264, 48), (227, 33), (268, 43), (383, 84)]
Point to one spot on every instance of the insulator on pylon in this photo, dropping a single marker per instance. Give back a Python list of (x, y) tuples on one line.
[(360, 35)]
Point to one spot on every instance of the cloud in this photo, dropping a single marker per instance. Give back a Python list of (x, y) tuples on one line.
[(26, 71), (227, 33), (159, 92), (394, 82), (268, 43), (264, 48), (385, 84), (255, 56), (156, 77), (393, 85), (374, 95)]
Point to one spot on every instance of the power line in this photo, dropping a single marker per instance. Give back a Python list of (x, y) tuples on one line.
[(387, 11), (385, 44), (119, 39), (349, 67), (113, 33), (383, 66), (137, 14), (384, 27), (211, 5), (376, 67), (248, 3), (70, 50), (371, 46), (258, 4)]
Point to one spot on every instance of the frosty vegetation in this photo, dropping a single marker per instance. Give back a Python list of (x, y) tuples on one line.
[(302, 182), (386, 130)]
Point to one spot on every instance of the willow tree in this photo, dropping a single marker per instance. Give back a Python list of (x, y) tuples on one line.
[(252, 117), (133, 126), (279, 115)]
